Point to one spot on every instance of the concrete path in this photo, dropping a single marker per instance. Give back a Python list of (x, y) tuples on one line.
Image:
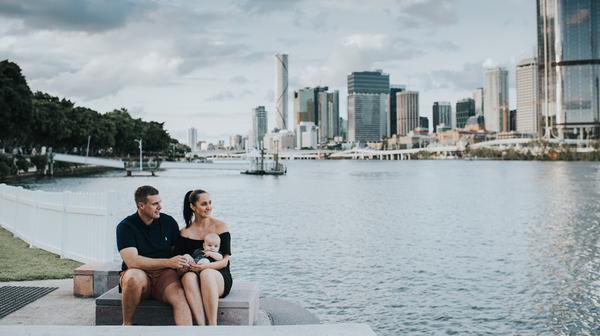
[(295, 330), (62, 308), (57, 308)]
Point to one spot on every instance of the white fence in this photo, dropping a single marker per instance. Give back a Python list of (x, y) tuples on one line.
[(78, 226)]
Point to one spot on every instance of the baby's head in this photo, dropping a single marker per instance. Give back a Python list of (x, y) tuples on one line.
[(212, 242)]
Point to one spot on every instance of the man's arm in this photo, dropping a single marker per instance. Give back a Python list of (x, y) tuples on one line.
[(133, 260)]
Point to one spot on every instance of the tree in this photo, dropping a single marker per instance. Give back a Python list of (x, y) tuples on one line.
[(15, 105)]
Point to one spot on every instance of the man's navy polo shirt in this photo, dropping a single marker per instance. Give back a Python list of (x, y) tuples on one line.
[(153, 241)]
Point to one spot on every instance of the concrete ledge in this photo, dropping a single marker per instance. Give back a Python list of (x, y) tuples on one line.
[(240, 307), (94, 279), (290, 330)]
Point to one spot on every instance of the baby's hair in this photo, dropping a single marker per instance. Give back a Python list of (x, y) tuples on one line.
[(212, 237)]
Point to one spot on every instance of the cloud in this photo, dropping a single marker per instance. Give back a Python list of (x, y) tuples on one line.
[(358, 52), (74, 15), (238, 80), (431, 14), (467, 78), (265, 7)]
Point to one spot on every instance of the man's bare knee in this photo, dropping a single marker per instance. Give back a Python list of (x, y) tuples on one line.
[(134, 280)]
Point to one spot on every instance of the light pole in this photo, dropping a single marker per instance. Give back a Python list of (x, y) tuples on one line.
[(140, 142)]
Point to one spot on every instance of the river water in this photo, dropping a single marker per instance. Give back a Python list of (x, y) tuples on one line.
[(408, 247)]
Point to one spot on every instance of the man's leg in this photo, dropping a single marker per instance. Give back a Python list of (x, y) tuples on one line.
[(135, 285), (167, 288)]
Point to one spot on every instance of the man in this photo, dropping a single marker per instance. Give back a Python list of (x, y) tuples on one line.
[(145, 241)]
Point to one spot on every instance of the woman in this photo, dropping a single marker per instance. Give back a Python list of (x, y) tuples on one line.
[(204, 284)]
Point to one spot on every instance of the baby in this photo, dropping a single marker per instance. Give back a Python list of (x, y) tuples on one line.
[(209, 251)]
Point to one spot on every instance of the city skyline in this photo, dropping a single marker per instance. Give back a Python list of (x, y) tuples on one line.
[(211, 75)]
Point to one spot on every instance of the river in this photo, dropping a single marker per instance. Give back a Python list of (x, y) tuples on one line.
[(408, 247)]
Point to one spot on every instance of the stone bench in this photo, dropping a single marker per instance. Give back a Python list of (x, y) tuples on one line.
[(240, 307), (93, 280)]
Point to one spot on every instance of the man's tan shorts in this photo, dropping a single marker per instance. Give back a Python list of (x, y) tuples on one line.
[(158, 281)]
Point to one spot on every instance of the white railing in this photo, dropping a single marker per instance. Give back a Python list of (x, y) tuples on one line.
[(74, 225)]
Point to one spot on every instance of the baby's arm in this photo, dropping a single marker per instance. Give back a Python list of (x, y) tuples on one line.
[(215, 255)]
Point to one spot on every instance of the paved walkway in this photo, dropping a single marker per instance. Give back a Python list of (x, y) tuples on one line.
[(60, 307), (57, 308)]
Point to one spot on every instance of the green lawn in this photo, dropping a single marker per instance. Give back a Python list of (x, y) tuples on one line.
[(19, 262)]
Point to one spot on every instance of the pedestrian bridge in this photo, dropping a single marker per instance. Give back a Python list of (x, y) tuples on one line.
[(89, 160)]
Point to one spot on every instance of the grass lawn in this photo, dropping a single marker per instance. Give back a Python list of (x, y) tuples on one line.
[(19, 262)]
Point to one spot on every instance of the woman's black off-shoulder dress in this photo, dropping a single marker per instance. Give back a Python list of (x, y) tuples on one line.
[(186, 245)]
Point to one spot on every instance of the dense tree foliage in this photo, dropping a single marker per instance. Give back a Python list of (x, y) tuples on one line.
[(15, 104), (34, 120)]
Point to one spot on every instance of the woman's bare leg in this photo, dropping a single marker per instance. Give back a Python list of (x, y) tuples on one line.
[(212, 286), (193, 296)]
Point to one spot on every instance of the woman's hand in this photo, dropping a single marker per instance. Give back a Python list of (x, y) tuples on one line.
[(197, 268)]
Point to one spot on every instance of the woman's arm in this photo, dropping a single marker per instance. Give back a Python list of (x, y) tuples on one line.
[(216, 265)]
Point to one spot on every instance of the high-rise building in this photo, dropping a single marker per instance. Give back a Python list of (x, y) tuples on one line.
[(259, 125), (569, 67), (442, 114), (328, 114), (527, 97), (512, 120), (465, 108), (424, 123), (281, 92), (306, 104), (478, 98), (368, 106), (407, 103), (495, 93), (235, 142), (192, 138), (393, 122)]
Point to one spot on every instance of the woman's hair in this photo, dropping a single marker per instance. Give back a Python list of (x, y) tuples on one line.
[(190, 198)]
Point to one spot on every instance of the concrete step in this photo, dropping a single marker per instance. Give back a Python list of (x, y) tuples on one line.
[(94, 279), (289, 330), (240, 307)]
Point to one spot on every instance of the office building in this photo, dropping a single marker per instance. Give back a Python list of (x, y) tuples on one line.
[(407, 103), (527, 97), (569, 67), (306, 135), (281, 91), (424, 123), (368, 106), (495, 93), (465, 108), (328, 114), (441, 114), (259, 126), (478, 98), (393, 120), (193, 138)]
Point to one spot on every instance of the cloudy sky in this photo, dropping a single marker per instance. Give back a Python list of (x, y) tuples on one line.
[(207, 64)]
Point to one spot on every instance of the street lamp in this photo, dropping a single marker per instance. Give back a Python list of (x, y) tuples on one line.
[(140, 142)]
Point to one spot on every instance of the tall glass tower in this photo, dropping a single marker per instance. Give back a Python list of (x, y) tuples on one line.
[(281, 92), (569, 67)]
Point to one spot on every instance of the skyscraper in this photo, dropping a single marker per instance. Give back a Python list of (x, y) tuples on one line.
[(368, 105), (442, 114), (495, 93), (328, 114), (478, 98), (407, 103), (527, 96), (281, 92), (192, 138), (465, 108), (259, 125), (306, 104), (569, 67), (393, 122)]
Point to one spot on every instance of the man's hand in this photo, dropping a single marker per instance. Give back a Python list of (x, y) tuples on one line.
[(178, 262)]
